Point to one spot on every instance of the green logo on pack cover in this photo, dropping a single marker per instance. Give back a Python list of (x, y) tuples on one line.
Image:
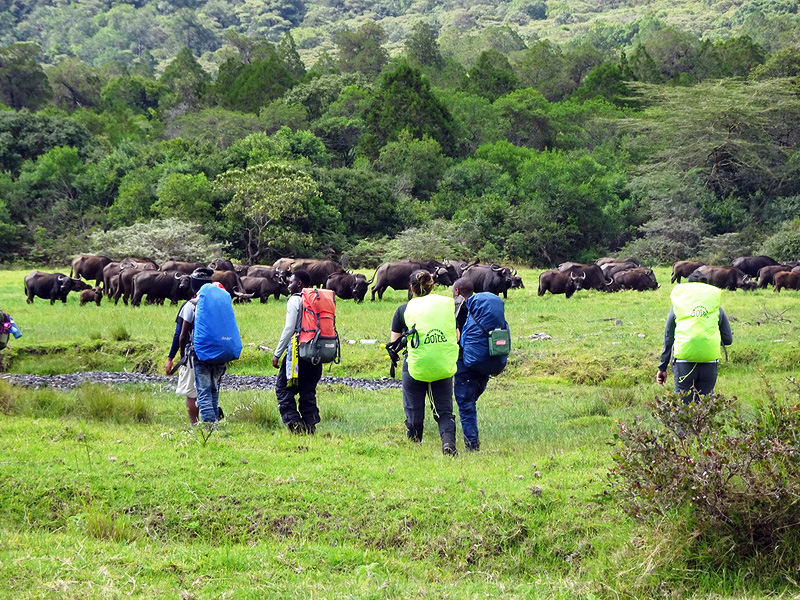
[(435, 336), (700, 311)]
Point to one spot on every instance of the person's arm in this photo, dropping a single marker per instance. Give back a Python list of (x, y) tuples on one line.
[(398, 323), (185, 335), (725, 333), (294, 307), (666, 352), (175, 345)]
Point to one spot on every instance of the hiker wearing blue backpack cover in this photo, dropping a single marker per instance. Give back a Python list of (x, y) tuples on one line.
[(484, 344), (210, 337)]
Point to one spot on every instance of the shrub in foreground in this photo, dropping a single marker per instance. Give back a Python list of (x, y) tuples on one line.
[(736, 474)]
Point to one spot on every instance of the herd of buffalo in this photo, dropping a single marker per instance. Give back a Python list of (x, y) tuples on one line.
[(134, 279)]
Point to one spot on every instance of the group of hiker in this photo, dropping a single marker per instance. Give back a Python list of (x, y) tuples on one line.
[(451, 348)]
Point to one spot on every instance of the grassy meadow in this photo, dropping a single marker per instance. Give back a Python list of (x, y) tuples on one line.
[(107, 493)]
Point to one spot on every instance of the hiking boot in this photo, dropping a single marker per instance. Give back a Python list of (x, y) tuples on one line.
[(472, 446), (449, 450), (297, 427), (311, 429)]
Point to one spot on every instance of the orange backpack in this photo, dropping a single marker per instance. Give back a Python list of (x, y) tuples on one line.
[(318, 341)]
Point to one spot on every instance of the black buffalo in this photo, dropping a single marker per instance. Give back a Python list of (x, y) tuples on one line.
[(612, 268), (264, 287), (490, 278), (766, 275), (143, 264), (750, 265), (318, 269), (89, 267), (610, 259), (595, 279), (232, 283), (180, 265), (560, 282), (638, 279), (124, 285), (279, 275), (110, 279), (729, 278), (161, 285), (396, 275), (221, 264), (684, 268), (348, 285), (52, 286)]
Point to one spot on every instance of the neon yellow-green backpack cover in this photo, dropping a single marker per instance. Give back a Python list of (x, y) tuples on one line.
[(435, 357), (696, 308)]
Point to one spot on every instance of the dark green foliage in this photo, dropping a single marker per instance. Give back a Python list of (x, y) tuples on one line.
[(361, 51), (187, 81), (75, 85), (404, 101), (251, 86), (139, 94), (784, 244), (734, 474), (24, 136), (491, 76), (422, 48), (23, 83)]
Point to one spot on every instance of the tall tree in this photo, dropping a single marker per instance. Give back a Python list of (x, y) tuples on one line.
[(23, 83), (491, 76), (361, 51), (287, 52), (422, 49), (404, 101), (187, 81), (75, 84)]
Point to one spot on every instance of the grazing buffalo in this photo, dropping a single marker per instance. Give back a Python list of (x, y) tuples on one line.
[(319, 270), (729, 278), (638, 279), (264, 287), (89, 267), (787, 279), (284, 263), (232, 283), (110, 279), (182, 266), (160, 285), (610, 259), (490, 278), (143, 264), (52, 286), (766, 274), (95, 295), (560, 282), (221, 264), (348, 286), (612, 268), (279, 275), (750, 265), (684, 268), (594, 277), (124, 286), (396, 275)]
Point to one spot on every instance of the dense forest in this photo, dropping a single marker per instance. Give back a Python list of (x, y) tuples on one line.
[(529, 131)]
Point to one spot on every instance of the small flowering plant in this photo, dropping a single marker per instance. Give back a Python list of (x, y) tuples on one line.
[(736, 471)]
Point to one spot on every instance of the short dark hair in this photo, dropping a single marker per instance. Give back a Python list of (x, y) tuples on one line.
[(303, 276), (465, 285)]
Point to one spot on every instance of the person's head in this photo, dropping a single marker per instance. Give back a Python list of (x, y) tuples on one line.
[(421, 283), (200, 277), (463, 287), (299, 279)]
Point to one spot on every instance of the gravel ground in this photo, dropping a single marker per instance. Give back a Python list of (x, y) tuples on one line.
[(231, 382)]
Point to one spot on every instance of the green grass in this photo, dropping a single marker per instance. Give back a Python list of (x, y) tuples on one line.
[(107, 493)]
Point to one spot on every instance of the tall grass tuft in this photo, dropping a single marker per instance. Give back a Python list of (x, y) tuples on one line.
[(258, 411), (120, 334)]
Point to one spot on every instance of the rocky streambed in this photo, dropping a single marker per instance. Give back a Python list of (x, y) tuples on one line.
[(231, 382)]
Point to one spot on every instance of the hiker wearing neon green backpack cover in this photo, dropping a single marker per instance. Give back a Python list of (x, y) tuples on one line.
[(696, 326), (428, 321)]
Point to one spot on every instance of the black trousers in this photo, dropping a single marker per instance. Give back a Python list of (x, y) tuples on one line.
[(693, 380), (415, 397), (305, 409)]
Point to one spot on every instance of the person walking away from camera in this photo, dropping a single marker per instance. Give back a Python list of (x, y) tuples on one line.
[(431, 359), (470, 380), (185, 385), (209, 356), (8, 328), (297, 377), (696, 325)]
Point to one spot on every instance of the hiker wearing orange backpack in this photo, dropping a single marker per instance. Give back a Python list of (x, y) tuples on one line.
[(309, 339)]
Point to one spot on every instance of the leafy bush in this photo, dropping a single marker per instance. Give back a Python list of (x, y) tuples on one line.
[(722, 249), (784, 245), (736, 476)]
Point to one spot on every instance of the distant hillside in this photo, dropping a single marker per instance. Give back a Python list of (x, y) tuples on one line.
[(154, 31)]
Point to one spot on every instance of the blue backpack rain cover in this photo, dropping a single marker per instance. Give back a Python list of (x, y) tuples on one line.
[(216, 334), (486, 311)]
